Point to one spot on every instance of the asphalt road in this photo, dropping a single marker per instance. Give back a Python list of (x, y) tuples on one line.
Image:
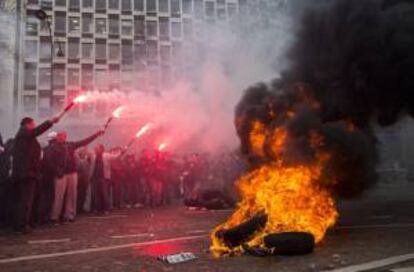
[(379, 235)]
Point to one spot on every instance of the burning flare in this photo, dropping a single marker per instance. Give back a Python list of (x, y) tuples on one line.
[(118, 111), (292, 197), (143, 130), (80, 98), (162, 146)]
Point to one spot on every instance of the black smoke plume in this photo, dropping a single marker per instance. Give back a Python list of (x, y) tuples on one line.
[(352, 65)]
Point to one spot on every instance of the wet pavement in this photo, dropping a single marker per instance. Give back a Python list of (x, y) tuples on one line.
[(131, 240)]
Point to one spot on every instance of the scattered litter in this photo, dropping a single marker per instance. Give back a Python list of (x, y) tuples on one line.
[(177, 258)]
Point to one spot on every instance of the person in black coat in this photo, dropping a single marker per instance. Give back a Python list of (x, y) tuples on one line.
[(45, 189), (6, 188), (26, 155)]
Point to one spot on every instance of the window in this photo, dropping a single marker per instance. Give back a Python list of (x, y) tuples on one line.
[(114, 24), (187, 27), (113, 4), (59, 76), (198, 8), (31, 26), (60, 22), (29, 102), (74, 4), (139, 5), (176, 51), (210, 9), (176, 29), (87, 50), (73, 48), (166, 75), (221, 13), (101, 77), (32, 2), (87, 76), (44, 103), (231, 10), (74, 24), (44, 27), (164, 27), (126, 27), (44, 50), (151, 6), (100, 26), (139, 54), (114, 76), (87, 3), (30, 70), (139, 26), (163, 6), (73, 76), (152, 48), (46, 4), (100, 5), (60, 3), (59, 46), (126, 5), (165, 53), (187, 6), (87, 23), (151, 28), (31, 49), (100, 50), (175, 7), (44, 78), (114, 51), (127, 56)]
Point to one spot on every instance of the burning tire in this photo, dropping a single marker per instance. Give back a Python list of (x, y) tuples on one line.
[(290, 243), (238, 235)]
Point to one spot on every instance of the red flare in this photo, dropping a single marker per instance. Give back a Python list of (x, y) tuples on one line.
[(143, 130), (162, 146), (118, 111), (80, 98)]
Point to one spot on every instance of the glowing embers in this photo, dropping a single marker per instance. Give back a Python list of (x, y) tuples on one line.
[(290, 197)]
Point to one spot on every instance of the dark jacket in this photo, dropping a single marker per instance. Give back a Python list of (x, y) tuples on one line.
[(65, 161), (27, 151), (5, 161), (49, 158)]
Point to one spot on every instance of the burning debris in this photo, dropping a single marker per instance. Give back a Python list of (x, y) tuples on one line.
[(308, 135)]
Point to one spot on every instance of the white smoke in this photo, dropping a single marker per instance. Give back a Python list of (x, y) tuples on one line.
[(197, 112)]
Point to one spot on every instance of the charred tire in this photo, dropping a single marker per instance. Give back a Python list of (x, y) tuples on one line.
[(290, 243)]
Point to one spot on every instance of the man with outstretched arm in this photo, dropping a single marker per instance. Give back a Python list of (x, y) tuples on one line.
[(26, 155), (66, 181)]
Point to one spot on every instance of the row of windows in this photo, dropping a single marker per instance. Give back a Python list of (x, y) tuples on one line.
[(163, 27), (103, 52), (137, 60), (150, 6)]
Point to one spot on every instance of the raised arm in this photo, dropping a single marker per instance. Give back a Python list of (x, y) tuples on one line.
[(88, 140), (42, 128)]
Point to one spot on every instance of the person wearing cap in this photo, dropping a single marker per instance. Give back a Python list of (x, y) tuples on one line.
[(66, 181), (26, 156)]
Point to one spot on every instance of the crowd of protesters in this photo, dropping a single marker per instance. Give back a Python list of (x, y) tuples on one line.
[(50, 185)]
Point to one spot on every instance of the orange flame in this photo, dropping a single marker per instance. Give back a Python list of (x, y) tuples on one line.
[(293, 197)]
